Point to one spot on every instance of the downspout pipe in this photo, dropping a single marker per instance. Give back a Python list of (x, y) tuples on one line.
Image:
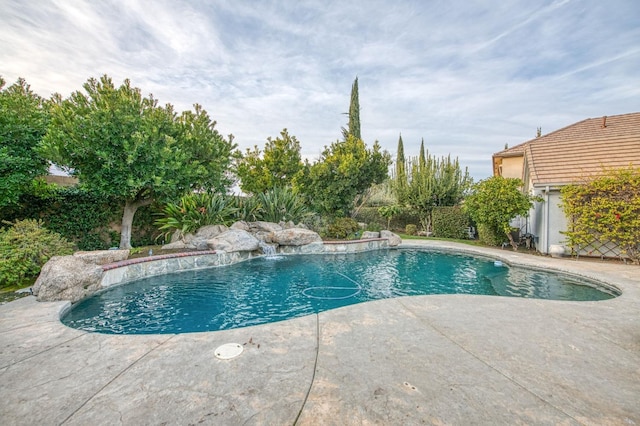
[(546, 218)]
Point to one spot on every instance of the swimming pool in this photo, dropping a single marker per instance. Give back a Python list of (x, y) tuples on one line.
[(270, 289)]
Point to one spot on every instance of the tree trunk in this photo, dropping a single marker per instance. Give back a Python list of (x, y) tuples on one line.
[(512, 242), (362, 201), (130, 208)]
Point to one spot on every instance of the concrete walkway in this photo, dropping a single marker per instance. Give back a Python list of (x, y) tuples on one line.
[(457, 360)]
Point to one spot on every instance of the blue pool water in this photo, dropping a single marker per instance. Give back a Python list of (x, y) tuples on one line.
[(264, 290)]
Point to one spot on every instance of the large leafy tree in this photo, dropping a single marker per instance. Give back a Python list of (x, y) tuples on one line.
[(605, 210), (121, 144), (495, 201), (276, 167), (344, 172), (23, 123)]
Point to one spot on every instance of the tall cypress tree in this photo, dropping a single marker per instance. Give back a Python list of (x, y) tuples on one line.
[(354, 111), (354, 114), (422, 160), (400, 160), (401, 173)]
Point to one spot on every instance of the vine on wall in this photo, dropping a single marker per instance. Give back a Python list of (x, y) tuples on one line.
[(605, 210)]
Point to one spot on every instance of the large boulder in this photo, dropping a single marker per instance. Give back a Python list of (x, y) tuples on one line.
[(295, 237), (370, 234), (211, 231), (234, 240), (195, 243), (102, 257), (394, 239), (240, 225), (287, 225), (199, 243), (179, 236), (290, 224), (67, 278), (263, 236), (176, 245), (255, 227), (179, 241)]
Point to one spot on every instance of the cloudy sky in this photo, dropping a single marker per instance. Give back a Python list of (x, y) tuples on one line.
[(467, 76)]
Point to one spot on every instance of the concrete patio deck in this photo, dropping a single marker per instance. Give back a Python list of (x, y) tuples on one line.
[(456, 359)]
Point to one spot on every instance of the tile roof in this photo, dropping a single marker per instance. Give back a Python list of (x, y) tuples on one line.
[(514, 151), (583, 149)]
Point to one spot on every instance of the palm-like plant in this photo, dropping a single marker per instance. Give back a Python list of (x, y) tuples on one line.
[(195, 211), (281, 204), (247, 208)]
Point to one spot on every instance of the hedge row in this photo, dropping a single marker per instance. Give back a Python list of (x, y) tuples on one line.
[(450, 222), (446, 222), (399, 222), (89, 221)]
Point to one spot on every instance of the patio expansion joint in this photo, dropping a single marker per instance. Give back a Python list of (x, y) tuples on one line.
[(42, 351), (315, 368), (24, 326), (127, 368), (487, 363)]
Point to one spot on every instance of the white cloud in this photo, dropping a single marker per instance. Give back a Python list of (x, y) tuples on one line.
[(468, 77)]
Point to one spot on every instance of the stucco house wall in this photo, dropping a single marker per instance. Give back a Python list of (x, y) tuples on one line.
[(547, 219), (511, 167)]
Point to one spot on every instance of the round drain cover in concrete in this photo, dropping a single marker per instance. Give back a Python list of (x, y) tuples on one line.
[(228, 350)]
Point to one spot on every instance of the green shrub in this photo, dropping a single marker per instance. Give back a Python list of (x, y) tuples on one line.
[(247, 208), (25, 247), (343, 228), (374, 227), (389, 212), (369, 215), (404, 217), (93, 241), (411, 229), (315, 222), (495, 202), (450, 222), (490, 236), (195, 211), (281, 204)]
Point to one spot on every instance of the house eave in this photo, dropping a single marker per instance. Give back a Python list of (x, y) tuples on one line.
[(552, 186)]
